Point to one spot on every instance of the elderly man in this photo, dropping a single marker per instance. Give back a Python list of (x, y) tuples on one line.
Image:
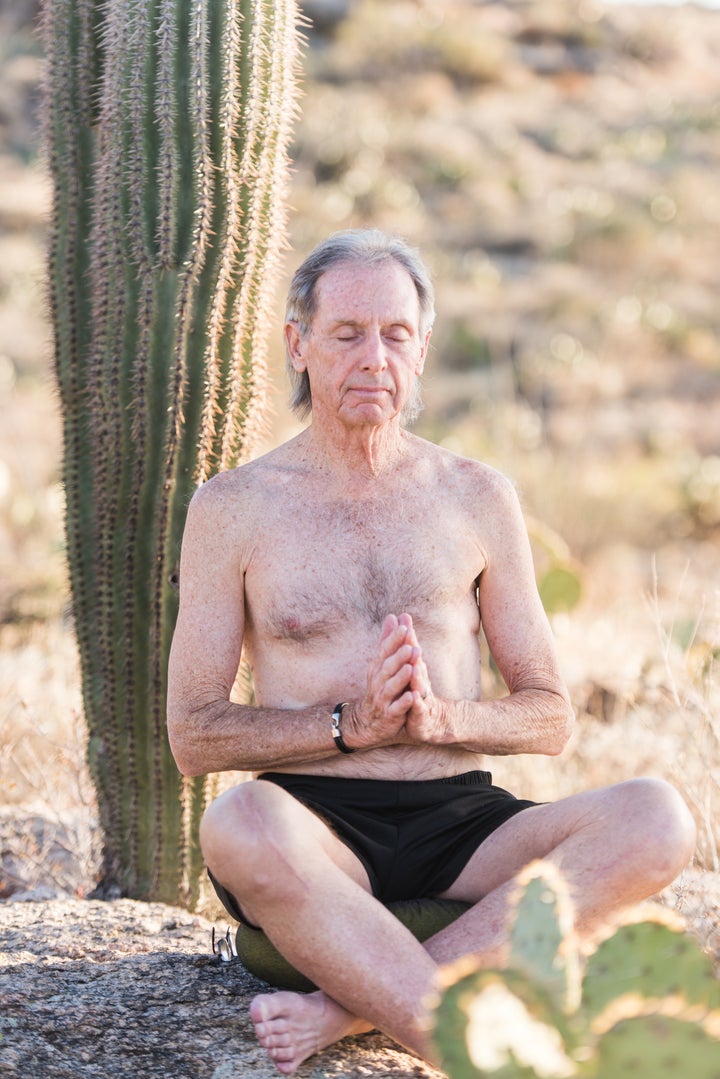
[(355, 565)]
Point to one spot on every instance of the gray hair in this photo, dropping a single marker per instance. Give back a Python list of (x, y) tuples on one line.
[(366, 247)]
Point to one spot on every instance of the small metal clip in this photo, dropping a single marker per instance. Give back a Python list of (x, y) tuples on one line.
[(224, 946)]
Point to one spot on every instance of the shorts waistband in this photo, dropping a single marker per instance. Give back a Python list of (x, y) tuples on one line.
[(468, 779), (475, 778)]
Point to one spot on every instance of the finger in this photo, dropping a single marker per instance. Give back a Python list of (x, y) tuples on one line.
[(392, 636), (399, 708), (406, 620), (389, 679), (420, 679), (389, 683), (393, 651), (391, 664), (398, 684)]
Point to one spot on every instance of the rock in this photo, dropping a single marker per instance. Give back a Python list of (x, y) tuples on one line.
[(42, 858), (91, 989)]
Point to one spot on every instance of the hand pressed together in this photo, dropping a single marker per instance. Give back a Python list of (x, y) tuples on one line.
[(399, 706)]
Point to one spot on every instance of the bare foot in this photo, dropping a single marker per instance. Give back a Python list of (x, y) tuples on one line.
[(293, 1026)]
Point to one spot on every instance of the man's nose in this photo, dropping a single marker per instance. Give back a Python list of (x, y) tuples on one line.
[(374, 358)]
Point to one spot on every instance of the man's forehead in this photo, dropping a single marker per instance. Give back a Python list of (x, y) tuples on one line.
[(349, 290)]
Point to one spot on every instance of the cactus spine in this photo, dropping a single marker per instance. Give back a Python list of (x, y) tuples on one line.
[(646, 1005), (168, 123)]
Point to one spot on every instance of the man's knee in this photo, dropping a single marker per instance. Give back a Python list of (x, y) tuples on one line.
[(251, 827), (662, 826)]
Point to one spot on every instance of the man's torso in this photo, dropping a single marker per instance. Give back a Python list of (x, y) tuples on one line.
[(324, 568)]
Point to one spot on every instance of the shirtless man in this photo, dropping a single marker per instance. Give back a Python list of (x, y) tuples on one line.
[(355, 564)]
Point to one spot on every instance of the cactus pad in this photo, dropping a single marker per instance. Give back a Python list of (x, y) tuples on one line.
[(542, 941), (658, 1047), (654, 958), (504, 1025), (649, 1007)]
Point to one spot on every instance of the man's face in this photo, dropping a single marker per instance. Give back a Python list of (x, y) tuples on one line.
[(364, 349)]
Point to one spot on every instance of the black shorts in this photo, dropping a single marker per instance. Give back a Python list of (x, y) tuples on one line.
[(414, 837)]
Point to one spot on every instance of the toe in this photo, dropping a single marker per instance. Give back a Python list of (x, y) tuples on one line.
[(282, 1053), (275, 1041), (262, 1008)]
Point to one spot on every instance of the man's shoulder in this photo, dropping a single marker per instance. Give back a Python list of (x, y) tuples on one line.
[(222, 488), (456, 468), (229, 510), (244, 481)]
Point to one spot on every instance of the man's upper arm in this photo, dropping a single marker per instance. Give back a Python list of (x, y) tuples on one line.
[(209, 632), (513, 618)]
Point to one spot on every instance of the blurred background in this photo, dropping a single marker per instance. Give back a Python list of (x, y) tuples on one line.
[(557, 163)]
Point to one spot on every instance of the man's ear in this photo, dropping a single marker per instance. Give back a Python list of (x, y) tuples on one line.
[(420, 365), (294, 345)]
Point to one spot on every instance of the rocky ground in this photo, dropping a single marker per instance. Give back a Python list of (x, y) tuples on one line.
[(91, 989)]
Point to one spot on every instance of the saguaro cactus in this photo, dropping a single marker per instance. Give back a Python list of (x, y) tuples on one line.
[(167, 130)]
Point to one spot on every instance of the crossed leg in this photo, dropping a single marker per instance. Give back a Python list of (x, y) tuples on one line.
[(311, 895)]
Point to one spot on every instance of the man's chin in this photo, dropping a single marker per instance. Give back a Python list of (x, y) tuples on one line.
[(371, 413), (377, 405)]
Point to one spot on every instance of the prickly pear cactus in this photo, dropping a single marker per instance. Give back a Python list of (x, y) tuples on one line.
[(648, 1006), (167, 127), (559, 577)]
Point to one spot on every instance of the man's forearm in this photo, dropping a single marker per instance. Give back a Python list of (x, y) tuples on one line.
[(223, 736), (527, 721)]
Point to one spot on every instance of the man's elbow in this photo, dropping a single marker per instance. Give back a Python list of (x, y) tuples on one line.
[(186, 750), (189, 767), (563, 727), (187, 762)]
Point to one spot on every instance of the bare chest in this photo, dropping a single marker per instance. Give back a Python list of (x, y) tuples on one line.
[(323, 569)]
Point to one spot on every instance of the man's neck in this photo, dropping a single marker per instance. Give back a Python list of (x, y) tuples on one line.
[(356, 454)]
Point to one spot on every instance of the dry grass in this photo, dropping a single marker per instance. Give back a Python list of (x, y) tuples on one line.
[(47, 822)]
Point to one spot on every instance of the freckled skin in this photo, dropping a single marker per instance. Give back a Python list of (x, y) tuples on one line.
[(358, 563)]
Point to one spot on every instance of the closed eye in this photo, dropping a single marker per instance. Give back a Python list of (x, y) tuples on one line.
[(398, 333)]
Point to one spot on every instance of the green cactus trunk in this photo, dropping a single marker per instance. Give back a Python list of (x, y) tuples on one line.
[(168, 123)]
